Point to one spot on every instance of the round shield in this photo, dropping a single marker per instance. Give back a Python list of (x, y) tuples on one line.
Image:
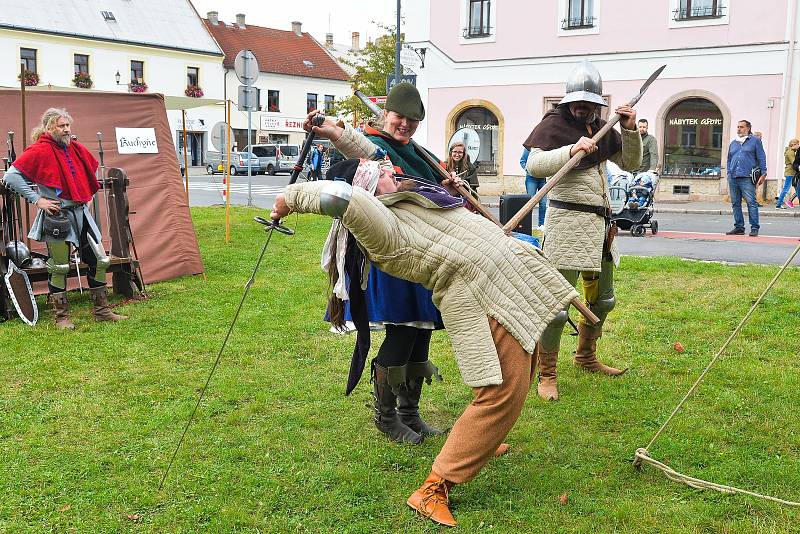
[(471, 141)]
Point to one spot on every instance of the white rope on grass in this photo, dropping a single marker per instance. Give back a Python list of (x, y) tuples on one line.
[(642, 454)]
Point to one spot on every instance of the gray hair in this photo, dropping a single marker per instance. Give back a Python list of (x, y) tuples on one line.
[(49, 119)]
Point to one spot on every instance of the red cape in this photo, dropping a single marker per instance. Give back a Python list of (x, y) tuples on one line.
[(45, 163)]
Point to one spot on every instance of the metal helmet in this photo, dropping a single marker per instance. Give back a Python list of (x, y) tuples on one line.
[(584, 84), (18, 253)]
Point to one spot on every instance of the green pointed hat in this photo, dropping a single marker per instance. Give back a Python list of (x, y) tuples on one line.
[(405, 100)]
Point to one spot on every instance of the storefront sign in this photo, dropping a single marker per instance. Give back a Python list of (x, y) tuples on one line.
[(480, 126), (136, 141), (281, 123), (690, 121)]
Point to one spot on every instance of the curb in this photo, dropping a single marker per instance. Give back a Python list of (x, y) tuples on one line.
[(697, 211)]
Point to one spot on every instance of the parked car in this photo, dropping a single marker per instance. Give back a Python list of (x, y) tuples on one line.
[(275, 158), (239, 163)]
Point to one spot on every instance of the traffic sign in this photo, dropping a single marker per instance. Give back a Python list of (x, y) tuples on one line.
[(391, 82), (378, 99), (246, 67), (218, 138), (247, 98)]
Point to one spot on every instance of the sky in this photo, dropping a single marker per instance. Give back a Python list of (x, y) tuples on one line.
[(341, 17)]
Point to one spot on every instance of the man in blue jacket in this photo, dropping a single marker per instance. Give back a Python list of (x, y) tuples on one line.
[(746, 162)]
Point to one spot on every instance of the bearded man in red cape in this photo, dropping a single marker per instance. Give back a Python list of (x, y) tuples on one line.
[(63, 172)]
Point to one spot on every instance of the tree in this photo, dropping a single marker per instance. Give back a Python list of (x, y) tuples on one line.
[(372, 65)]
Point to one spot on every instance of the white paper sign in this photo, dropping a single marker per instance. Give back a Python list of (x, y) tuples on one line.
[(136, 141), (270, 122)]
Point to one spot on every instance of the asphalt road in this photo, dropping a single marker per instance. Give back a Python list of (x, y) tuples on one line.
[(693, 236)]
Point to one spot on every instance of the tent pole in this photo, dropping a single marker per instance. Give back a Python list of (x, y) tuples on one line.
[(228, 174), (185, 156)]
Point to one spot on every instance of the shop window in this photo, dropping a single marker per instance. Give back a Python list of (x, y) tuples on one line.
[(580, 14), (28, 57), (311, 102), (81, 63), (485, 124), (479, 13), (693, 139), (699, 9), (273, 100)]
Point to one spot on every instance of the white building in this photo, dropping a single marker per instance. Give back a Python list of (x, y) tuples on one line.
[(296, 75), (141, 45)]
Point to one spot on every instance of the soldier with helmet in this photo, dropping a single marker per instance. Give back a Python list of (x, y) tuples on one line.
[(64, 172), (578, 236)]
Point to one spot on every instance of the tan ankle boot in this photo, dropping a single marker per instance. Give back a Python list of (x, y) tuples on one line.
[(61, 307), (547, 387), (102, 310), (586, 353), (432, 500)]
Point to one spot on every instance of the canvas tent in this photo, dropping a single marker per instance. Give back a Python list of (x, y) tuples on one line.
[(160, 219)]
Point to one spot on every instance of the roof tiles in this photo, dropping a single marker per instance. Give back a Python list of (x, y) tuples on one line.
[(277, 51)]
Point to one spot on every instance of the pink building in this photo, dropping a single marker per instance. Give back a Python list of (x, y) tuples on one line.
[(497, 66)]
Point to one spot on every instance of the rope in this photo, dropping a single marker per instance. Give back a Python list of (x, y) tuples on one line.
[(642, 454)]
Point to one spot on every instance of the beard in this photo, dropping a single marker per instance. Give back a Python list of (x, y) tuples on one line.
[(584, 113), (62, 140)]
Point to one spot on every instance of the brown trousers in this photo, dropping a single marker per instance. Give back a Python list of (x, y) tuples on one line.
[(488, 419)]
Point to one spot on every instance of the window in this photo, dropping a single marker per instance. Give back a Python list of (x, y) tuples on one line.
[(479, 18), (108, 16), (580, 14), (273, 100), (137, 72), (81, 64), (680, 189), (328, 104), (311, 102), (688, 136), (699, 9), (486, 125), (693, 140), (28, 57), (193, 76)]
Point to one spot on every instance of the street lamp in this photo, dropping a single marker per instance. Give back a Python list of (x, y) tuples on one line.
[(117, 76), (421, 53)]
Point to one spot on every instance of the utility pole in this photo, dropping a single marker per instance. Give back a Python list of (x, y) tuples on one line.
[(397, 67)]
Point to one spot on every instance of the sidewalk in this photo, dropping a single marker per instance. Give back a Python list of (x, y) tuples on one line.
[(701, 208)]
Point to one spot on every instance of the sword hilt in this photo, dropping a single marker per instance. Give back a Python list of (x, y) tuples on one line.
[(274, 225)]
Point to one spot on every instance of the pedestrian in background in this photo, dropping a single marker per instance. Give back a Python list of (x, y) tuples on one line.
[(533, 184), (458, 162), (788, 172), (316, 162), (649, 149), (747, 169)]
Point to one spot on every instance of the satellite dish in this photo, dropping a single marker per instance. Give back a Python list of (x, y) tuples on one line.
[(218, 138), (471, 141)]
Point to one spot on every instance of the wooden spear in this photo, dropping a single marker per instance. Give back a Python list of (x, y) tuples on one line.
[(515, 220)]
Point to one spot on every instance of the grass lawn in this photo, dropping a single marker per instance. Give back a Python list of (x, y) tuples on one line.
[(91, 417)]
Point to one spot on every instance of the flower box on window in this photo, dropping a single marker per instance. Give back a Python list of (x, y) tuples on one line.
[(194, 91), (82, 80), (30, 78), (140, 87)]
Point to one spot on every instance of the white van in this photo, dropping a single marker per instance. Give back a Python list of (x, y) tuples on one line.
[(276, 158)]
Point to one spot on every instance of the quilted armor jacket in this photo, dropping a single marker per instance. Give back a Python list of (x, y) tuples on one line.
[(573, 240), (472, 267)]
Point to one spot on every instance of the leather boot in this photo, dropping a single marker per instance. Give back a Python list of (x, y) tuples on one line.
[(547, 387), (586, 353), (408, 397), (386, 418), (102, 310), (432, 500), (61, 307)]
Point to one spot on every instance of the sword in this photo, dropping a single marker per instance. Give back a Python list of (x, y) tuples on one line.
[(270, 227), (551, 182), (103, 183), (316, 120)]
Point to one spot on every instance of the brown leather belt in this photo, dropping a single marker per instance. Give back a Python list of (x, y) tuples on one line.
[(587, 208)]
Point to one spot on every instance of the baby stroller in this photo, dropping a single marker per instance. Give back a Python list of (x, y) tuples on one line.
[(632, 199)]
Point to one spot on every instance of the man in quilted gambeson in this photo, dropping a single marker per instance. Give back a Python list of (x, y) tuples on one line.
[(578, 236)]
